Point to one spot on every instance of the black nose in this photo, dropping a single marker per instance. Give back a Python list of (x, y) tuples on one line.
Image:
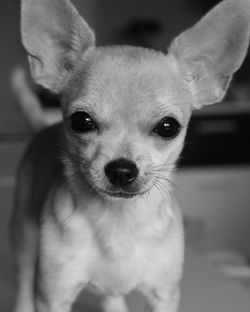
[(121, 172)]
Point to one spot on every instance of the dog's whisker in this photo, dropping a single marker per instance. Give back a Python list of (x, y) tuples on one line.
[(155, 184), (161, 187), (168, 181), (164, 165), (160, 169)]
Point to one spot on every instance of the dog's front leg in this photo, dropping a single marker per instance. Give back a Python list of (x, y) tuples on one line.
[(61, 270), (57, 286), (165, 299)]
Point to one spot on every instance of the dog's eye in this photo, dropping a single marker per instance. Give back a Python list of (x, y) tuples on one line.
[(167, 128), (82, 122)]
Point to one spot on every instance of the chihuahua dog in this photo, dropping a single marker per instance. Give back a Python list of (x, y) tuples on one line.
[(94, 203)]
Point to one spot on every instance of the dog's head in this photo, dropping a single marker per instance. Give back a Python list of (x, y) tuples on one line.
[(126, 109)]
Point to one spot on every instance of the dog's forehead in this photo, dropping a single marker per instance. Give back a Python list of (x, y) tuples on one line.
[(129, 78)]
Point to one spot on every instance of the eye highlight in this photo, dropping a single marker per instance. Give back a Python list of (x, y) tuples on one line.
[(82, 122), (167, 128)]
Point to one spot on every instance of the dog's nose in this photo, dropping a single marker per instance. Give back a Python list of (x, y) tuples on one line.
[(121, 172)]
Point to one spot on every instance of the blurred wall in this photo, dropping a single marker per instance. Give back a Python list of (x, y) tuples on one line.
[(173, 15), (11, 52)]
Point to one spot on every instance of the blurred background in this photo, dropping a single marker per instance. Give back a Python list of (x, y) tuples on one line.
[(213, 178)]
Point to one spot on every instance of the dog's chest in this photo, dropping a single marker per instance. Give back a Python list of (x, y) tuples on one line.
[(122, 261), (117, 254), (115, 276)]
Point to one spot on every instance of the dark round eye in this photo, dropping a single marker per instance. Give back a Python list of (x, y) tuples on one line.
[(167, 128), (82, 122)]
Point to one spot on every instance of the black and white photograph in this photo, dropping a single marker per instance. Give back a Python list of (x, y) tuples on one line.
[(125, 156)]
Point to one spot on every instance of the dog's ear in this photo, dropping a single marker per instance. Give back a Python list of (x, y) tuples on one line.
[(55, 37), (211, 51)]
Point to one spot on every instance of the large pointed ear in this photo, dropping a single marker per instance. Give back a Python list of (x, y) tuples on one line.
[(55, 37), (210, 52)]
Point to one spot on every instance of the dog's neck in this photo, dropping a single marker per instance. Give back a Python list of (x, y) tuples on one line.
[(122, 222), (133, 212)]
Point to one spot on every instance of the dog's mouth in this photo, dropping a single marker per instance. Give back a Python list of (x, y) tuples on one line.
[(123, 194)]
